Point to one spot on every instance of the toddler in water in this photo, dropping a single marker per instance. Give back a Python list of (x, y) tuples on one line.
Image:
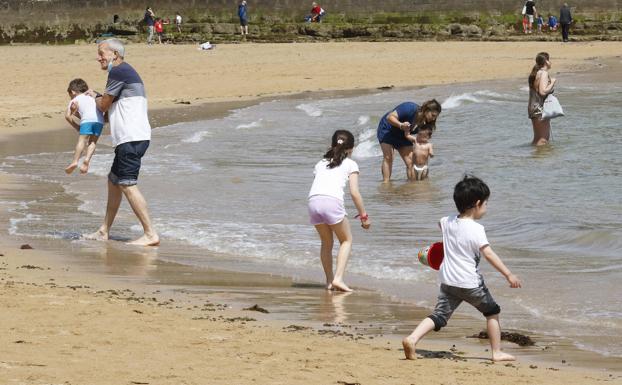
[(326, 209), (422, 150), (464, 242), (83, 107)]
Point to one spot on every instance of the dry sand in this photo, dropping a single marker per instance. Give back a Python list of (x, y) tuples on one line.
[(56, 330)]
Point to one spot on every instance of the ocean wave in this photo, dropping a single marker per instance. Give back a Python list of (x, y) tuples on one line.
[(455, 101), (310, 110), (14, 223), (197, 137), (254, 124), (368, 146), (363, 120)]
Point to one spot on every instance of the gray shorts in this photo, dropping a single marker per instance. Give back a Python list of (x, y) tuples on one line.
[(451, 297)]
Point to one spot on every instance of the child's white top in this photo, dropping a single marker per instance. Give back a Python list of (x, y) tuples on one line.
[(462, 240), (331, 181), (89, 113)]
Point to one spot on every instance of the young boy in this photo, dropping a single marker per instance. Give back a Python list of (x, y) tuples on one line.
[(464, 242), (91, 123), (422, 151)]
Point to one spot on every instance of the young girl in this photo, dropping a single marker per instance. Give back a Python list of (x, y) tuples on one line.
[(326, 209)]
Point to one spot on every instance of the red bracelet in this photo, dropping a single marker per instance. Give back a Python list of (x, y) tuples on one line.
[(363, 217)]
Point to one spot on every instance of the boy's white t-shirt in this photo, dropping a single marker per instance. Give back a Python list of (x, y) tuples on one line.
[(462, 240), (331, 181), (89, 113)]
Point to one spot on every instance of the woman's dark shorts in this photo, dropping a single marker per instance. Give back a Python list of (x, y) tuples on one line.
[(243, 22), (451, 297), (388, 134), (126, 164)]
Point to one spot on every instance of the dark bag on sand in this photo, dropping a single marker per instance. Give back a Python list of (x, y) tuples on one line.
[(551, 109)]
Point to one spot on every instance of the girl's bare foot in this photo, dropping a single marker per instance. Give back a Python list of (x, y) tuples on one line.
[(409, 348), (84, 168), (341, 286), (500, 356), (96, 236), (329, 286), (69, 169)]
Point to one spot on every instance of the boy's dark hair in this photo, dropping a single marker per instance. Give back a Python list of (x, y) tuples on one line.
[(78, 85), (341, 142), (468, 191), (427, 127)]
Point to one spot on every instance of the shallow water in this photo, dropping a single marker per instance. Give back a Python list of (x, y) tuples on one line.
[(237, 186)]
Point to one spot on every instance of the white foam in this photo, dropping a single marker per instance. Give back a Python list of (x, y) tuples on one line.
[(363, 120), (368, 145), (254, 124), (197, 137), (310, 110), (14, 223), (455, 101)]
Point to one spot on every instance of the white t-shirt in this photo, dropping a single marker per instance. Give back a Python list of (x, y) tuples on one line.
[(331, 181), (462, 241), (89, 113), (178, 19)]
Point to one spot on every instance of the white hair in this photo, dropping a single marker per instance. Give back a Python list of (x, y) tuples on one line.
[(115, 45)]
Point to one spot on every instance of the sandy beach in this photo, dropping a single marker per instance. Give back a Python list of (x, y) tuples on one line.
[(66, 324)]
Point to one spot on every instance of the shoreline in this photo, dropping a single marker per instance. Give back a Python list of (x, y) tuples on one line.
[(174, 115)]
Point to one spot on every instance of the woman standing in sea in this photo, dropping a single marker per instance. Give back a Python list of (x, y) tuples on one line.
[(393, 128), (540, 86)]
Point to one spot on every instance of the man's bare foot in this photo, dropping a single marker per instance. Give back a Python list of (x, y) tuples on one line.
[(340, 286), (500, 356), (146, 240), (69, 169), (96, 236), (409, 348), (84, 168), (329, 286)]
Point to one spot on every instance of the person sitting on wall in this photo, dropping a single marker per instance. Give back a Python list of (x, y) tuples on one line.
[(317, 13), (552, 23)]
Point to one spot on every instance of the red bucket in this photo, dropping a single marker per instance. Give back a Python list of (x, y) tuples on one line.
[(432, 255)]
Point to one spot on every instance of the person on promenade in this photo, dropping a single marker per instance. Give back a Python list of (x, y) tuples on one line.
[(150, 22), (422, 150), (326, 209), (91, 124), (565, 19), (159, 29), (178, 22), (126, 103), (540, 86), (464, 243), (530, 13), (243, 15), (552, 23), (396, 125)]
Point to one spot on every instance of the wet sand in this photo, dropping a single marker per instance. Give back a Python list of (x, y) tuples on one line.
[(85, 313)]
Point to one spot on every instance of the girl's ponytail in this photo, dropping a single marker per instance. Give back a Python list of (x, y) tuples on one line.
[(341, 143), (541, 60)]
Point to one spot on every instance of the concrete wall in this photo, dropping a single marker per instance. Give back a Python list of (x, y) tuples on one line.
[(64, 11)]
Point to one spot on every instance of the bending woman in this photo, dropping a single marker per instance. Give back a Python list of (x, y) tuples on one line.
[(540, 86), (394, 133)]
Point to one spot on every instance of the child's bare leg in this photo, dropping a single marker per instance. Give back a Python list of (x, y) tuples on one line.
[(90, 150), (326, 252), (494, 334), (342, 230), (409, 343), (76, 154)]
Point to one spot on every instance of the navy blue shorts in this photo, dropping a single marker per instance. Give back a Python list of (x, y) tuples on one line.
[(391, 135), (126, 164), (243, 22)]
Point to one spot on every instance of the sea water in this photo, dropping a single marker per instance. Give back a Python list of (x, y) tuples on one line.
[(238, 185)]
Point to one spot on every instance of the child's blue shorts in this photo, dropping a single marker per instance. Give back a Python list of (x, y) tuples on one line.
[(91, 128)]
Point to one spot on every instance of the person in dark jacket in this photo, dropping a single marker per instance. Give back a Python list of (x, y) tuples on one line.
[(565, 19), (243, 15)]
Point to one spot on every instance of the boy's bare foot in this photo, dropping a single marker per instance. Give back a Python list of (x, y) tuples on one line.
[(409, 348), (96, 236), (500, 356), (146, 240), (84, 168), (69, 169), (341, 286)]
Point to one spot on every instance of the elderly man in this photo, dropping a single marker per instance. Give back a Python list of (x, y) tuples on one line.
[(126, 104), (565, 19)]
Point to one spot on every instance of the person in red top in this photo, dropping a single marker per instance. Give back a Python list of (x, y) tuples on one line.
[(316, 13), (159, 28)]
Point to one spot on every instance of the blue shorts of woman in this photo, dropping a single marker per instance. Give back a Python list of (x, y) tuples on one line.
[(390, 135), (91, 128)]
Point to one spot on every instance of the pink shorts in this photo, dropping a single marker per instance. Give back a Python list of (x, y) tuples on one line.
[(324, 209)]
